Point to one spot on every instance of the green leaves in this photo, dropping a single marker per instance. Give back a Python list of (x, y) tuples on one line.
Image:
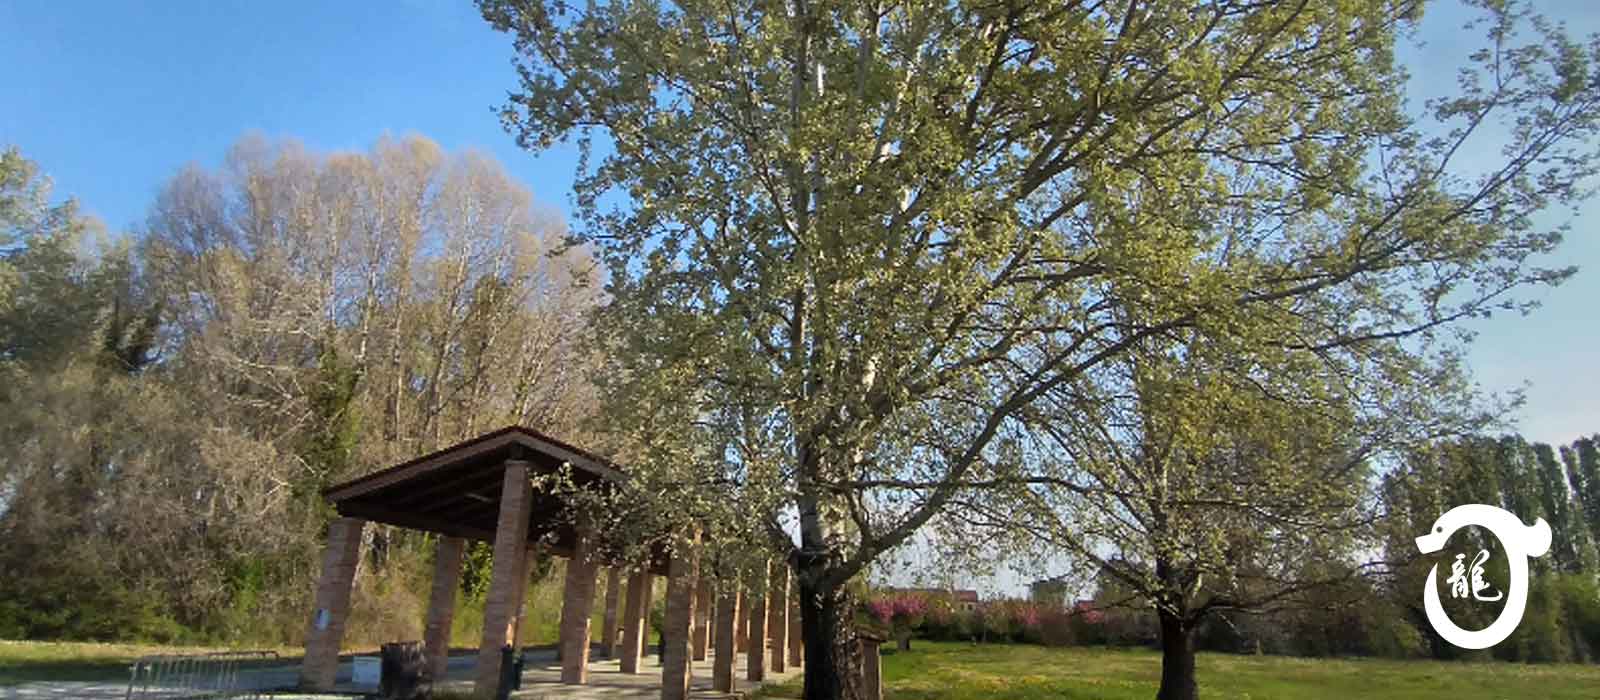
[(859, 249)]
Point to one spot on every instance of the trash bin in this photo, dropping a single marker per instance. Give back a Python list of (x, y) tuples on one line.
[(510, 672), (516, 676), (403, 672)]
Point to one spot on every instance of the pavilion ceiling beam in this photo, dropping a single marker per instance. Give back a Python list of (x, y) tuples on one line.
[(480, 478), (464, 497), (465, 507), (381, 514)]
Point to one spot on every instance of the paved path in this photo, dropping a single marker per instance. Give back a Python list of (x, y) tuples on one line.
[(540, 679)]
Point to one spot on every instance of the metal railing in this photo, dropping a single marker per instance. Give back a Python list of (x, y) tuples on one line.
[(225, 674)]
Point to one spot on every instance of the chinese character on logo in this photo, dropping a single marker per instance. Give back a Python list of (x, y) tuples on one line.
[(1520, 543), (1458, 578)]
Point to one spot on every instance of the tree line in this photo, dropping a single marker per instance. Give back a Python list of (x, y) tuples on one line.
[(1378, 611), (175, 398), (1560, 484)]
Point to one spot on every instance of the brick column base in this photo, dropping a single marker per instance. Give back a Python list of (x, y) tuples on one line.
[(871, 671), (608, 634), (702, 619), (635, 614), (797, 643), (778, 618), (576, 605), (676, 667), (326, 630), (755, 655), (442, 605), (722, 676), (509, 574)]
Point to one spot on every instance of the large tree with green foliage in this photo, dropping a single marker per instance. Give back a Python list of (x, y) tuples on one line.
[(853, 242), (1211, 480)]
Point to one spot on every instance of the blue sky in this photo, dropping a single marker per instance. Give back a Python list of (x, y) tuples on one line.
[(113, 98)]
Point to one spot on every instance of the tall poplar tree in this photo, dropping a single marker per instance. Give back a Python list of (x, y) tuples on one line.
[(854, 241)]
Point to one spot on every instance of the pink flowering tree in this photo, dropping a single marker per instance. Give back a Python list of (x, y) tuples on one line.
[(901, 614)]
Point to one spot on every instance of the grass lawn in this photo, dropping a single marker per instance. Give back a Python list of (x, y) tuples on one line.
[(22, 662), (957, 671)]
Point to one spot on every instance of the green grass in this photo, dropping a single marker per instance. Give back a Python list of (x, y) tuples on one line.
[(60, 661), (24, 662), (957, 671)]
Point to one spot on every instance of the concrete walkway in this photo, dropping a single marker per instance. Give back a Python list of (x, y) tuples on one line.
[(540, 679)]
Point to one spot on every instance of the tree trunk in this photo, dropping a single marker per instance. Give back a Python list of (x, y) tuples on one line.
[(821, 623), (1177, 658)]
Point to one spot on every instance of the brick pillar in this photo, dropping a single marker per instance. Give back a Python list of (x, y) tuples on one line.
[(797, 644), (727, 636), (710, 601), (576, 605), (871, 671), (682, 592), (442, 605), (634, 616), (508, 578), (755, 655), (521, 606), (608, 633), (702, 618), (645, 604), (339, 559), (778, 618), (742, 628)]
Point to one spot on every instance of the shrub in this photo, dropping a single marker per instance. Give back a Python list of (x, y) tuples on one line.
[(1056, 628), (941, 622)]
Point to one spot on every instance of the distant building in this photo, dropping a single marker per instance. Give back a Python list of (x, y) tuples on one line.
[(964, 599), (1049, 591)]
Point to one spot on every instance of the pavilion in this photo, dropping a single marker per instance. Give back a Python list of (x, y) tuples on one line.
[(481, 490)]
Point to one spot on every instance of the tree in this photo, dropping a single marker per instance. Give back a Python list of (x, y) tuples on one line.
[(175, 400), (1583, 461), (1576, 551), (48, 299), (1211, 482), (76, 329), (858, 240), (351, 310)]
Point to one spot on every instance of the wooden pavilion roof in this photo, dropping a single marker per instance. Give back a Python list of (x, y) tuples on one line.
[(456, 491)]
